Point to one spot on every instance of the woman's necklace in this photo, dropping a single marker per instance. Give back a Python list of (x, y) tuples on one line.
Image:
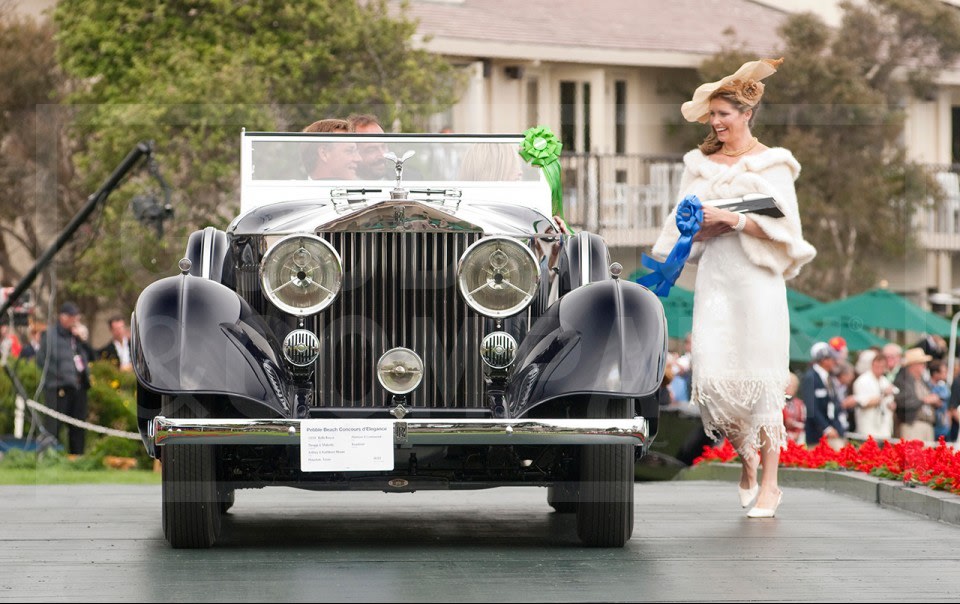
[(739, 152)]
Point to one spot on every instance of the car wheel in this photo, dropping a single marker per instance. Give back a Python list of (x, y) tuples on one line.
[(562, 497), (191, 498), (605, 509)]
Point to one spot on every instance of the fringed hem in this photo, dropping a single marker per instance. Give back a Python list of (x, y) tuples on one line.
[(739, 409), (747, 441)]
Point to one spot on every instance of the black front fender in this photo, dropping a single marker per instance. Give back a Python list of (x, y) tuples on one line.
[(607, 338), (193, 336)]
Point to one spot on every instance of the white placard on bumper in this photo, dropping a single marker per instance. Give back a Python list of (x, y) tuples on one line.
[(346, 445)]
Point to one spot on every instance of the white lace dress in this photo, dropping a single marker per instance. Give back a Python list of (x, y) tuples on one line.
[(741, 323)]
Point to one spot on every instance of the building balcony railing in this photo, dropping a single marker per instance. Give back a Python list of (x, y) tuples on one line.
[(626, 198), (938, 228)]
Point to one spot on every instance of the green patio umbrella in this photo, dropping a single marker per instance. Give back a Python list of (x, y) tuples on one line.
[(801, 302), (882, 309), (800, 344), (678, 308), (679, 315), (858, 338)]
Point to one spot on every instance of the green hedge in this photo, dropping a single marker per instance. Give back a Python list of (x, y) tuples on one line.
[(112, 403), (29, 375)]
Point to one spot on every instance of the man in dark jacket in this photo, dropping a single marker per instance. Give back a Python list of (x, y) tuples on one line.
[(117, 350), (66, 379), (820, 396)]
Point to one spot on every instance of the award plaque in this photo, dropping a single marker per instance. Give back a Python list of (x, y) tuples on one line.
[(753, 203)]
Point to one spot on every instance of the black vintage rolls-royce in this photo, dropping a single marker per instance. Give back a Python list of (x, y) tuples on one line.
[(407, 316)]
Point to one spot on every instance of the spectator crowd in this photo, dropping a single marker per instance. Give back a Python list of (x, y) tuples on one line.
[(63, 352), (884, 393)]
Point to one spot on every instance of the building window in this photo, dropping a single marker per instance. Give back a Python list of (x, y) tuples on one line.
[(586, 117), (533, 102), (575, 116), (568, 113), (620, 115), (955, 137)]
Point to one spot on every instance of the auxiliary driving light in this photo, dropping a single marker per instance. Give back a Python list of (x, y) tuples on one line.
[(400, 370)]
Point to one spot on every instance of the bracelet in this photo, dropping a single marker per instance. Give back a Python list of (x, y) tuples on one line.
[(741, 223)]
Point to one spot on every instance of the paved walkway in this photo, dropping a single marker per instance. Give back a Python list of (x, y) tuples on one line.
[(692, 543)]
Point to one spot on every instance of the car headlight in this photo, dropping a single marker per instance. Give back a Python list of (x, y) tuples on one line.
[(301, 274), (498, 276)]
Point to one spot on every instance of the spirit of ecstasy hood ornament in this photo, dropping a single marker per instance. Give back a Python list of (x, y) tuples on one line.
[(398, 163)]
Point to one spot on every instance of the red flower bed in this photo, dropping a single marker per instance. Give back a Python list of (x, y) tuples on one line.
[(910, 461)]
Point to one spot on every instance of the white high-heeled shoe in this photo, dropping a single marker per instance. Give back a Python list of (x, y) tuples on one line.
[(748, 495), (756, 512)]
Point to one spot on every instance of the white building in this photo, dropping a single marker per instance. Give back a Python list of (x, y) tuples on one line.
[(606, 77)]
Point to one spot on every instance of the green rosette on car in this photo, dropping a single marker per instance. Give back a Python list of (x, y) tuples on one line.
[(541, 147)]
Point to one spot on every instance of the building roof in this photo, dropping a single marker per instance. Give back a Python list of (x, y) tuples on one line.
[(681, 32)]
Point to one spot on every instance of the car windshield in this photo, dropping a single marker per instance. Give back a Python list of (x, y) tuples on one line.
[(354, 158)]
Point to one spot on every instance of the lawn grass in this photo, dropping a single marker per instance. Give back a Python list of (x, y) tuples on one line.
[(66, 475)]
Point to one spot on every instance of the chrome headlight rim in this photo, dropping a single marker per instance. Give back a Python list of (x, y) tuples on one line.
[(513, 310), (498, 360), (280, 304), (301, 348)]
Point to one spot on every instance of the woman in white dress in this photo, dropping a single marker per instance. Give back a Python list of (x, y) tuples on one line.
[(741, 324)]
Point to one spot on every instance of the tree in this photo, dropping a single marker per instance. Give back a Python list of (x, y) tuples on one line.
[(189, 75), (838, 104), (35, 171)]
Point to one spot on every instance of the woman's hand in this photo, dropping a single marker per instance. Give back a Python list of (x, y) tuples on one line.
[(716, 222)]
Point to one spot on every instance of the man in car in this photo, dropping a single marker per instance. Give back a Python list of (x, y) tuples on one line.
[(330, 161), (372, 165)]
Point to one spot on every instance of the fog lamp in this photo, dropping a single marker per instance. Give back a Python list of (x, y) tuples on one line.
[(301, 347), (400, 370), (498, 350)]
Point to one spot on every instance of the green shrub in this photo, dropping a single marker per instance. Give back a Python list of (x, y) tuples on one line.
[(118, 447), (112, 397), (29, 375), (18, 459), (112, 403)]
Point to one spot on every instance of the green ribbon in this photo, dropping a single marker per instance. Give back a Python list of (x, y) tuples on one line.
[(541, 147)]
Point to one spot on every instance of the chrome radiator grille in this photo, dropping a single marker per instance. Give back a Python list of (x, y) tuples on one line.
[(399, 290)]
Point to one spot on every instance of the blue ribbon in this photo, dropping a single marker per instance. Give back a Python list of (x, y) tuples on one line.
[(664, 274)]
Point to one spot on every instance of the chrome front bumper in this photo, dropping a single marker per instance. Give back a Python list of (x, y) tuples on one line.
[(408, 432)]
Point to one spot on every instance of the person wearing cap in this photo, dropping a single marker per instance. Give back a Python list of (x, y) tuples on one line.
[(66, 378), (819, 393), (741, 328), (839, 345), (916, 404)]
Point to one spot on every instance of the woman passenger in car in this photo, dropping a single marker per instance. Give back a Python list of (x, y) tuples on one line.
[(491, 162)]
